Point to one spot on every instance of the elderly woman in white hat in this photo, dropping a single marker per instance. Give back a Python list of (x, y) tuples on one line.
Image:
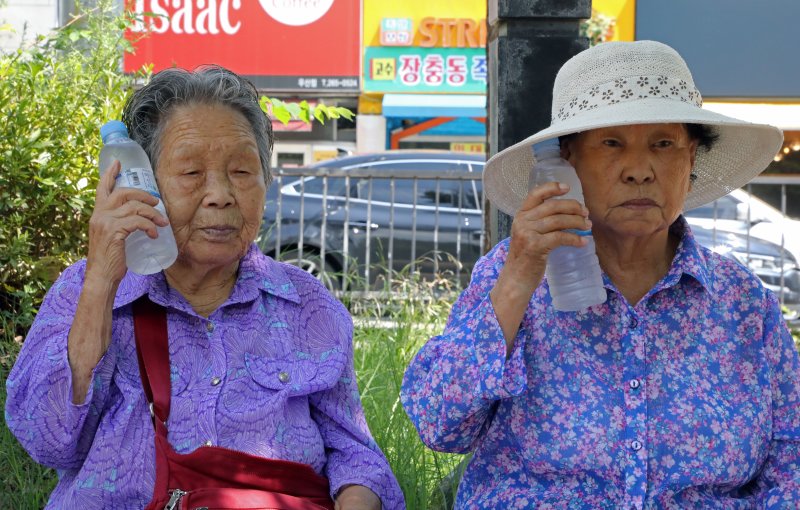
[(682, 389)]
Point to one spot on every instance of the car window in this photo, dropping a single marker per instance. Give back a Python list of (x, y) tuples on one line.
[(725, 210), (382, 190), (316, 185), (426, 192), (457, 194), (451, 192)]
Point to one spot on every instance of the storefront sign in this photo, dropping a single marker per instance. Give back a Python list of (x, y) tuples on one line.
[(452, 32), (471, 147), (296, 12), (324, 154), (397, 32), (298, 45), (419, 46), (434, 32), (413, 69)]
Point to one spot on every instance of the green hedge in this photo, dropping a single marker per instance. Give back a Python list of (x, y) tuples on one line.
[(54, 95)]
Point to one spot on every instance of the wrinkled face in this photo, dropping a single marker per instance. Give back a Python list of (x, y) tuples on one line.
[(635, 178), (210, 178)]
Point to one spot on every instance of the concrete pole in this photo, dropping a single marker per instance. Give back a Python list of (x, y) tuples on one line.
[(370, 134), (528, 42)]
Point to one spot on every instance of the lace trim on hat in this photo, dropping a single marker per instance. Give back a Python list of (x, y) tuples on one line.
[(624, 90)]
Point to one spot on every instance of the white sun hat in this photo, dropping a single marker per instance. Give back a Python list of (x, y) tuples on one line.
[(643, 82)]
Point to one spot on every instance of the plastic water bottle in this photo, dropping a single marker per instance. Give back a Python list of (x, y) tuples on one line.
[(573, 274), (143, 255)]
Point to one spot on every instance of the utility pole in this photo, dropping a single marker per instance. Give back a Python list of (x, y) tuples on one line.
[(529, 40)]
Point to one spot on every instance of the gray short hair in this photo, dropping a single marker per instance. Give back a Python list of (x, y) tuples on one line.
[(148, 108)]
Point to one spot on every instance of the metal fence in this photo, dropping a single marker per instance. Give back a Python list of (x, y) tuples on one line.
[(783, 183), (784, 235), (367, 222), (372, 223)]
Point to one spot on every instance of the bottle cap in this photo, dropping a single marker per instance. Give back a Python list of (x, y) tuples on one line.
[(112, 126), (546, 149)]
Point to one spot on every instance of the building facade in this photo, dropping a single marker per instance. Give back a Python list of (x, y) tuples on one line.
[(28, 18), (415, 70)]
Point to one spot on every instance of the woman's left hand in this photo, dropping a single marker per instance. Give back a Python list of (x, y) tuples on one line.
[(357, 497)]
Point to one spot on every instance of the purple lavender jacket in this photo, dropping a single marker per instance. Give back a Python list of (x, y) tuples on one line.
[(269, 373)]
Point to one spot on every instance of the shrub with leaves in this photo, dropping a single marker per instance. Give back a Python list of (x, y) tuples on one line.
[(285, 111), (599, 28), (54, 95)]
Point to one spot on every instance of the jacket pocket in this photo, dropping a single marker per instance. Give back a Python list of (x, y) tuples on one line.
[(297, 375)]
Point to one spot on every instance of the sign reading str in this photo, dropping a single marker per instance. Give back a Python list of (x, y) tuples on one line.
[(279, 44)]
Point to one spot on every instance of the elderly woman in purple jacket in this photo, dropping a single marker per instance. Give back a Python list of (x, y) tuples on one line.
[(260, 354)]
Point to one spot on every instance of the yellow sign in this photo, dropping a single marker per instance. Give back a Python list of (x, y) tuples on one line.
[(370, 104), (624, 12), (382, 69), (443, 23), (472, 147), (324, 154), (397, 32)]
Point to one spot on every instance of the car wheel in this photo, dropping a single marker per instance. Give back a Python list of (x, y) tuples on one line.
[(313, 264)]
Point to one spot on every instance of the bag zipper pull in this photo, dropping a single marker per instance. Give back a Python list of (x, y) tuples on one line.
[(175, 496)]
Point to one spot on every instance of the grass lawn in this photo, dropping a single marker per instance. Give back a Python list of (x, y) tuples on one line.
[(24, 485), (383, 349)]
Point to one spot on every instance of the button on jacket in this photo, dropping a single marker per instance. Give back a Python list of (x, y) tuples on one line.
[(688, 399)]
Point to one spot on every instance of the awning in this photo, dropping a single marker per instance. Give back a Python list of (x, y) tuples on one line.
[(784, 116), (434, 105)]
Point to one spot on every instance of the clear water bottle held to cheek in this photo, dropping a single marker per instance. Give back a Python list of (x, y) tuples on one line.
[(573, 274), (143, 255)]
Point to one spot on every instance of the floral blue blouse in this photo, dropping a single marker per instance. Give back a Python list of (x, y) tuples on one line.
[(688, 399)]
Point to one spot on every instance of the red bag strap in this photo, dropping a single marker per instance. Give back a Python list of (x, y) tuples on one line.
[(152, 349)]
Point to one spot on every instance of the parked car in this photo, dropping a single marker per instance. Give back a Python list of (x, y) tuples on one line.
[(413, 210), (741, 212), (360, 215), (775, 266)]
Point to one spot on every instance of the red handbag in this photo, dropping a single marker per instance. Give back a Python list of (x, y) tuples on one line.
[(212, 477)]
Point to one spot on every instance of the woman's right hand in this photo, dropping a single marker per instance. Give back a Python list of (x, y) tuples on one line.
[(118, 212), (538, 227)]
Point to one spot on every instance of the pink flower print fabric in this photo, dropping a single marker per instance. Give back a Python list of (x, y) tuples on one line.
[(688, 399)]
